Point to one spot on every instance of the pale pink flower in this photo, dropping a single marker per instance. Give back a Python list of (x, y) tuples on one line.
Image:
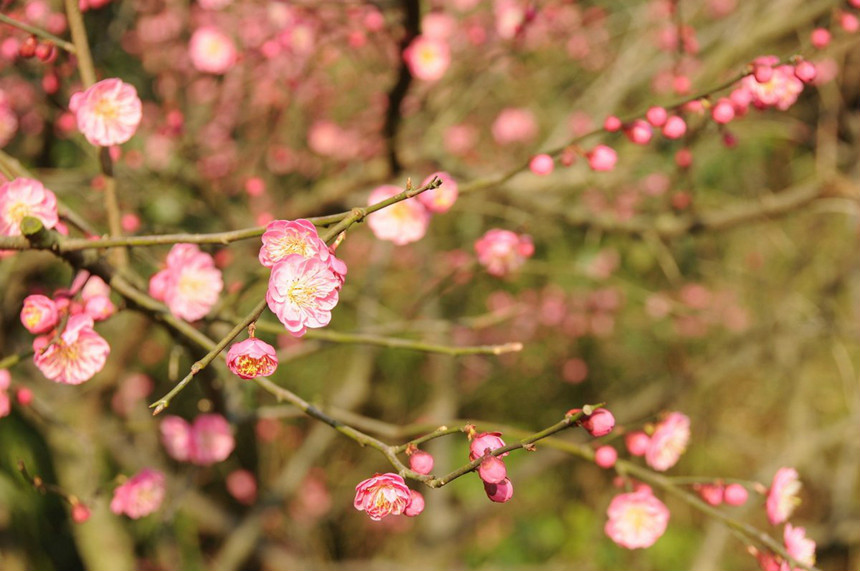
[(402, 222), (502, 251), (778, 89), (25, 197), (441, 199), (212, 51), (190, 283), (501, 492), (75, 356), (302, 292), (140, 495), (484, 442), (514, 125), (421, 462), (668, 442), (782, 498), (252, 358), (510, 16), (636, 519), (108, 113), (39, 314), (382, 495), (211, 440), (416, 504), (285, 237), (176, 437), (427, 58), (798, 546)]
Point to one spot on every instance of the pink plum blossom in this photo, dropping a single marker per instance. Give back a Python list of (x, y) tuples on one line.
[(514, 125), (252, 358), (492, 470), (416, 504), (541, 164), (39, 314), (668, 442), (800, 547), (382, 495), (176, 437), (285, 237), (502, 251), (637, 443), (212, 51), (210, 440), (602, 158), (73, 357), (599, 423), (778, 89), (735, 495), (140, 495), (636, 519), (427, 58), (403, 222), (108, 113), (605, 456), (484, 442), (782, 498), (190, 283), (421, 462), (302, 292), (500, 493), (441, 199), (25, 197)]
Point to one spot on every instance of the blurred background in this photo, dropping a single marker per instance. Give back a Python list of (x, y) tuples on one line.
[(654, 287)]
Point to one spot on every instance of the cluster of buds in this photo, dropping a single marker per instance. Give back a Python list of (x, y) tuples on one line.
[(45, 50), (492, 469)]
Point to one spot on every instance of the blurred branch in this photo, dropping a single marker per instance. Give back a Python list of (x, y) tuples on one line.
[(79, 39), (38, 32)]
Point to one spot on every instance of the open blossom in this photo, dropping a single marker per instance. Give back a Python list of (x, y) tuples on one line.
[(780, 89), (441, 199), (252, 358), (108, 113), (210, 440), (636, 519), (502, 251), (382, 495), (427, 58), (782, 497), (140, 495), (212, 51), (190, 283), (25, 197), (798, 546), (39, 314), (285, 237), (302, 292), (402, 222), (75, 356), (668, 442)]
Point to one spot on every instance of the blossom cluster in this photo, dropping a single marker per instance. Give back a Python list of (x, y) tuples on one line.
[(140, 495), (406, 221), (67, 348), (492, 469), (306, 276), (206, 441)]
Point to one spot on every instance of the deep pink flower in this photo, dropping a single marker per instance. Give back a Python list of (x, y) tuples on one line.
[(636, 519), (39, 314), (668, 442), (302, 292), (782, 498), (25, 197), (605, 456), (779, 90), (486, 441), (439, 200), (427, 58), (108, 113), (190, 283), (502, 251), (285, 237), (492, 470), (798, 546), (140, 495), (421, 462), (74, 357), (212, 51), (252, 358), (80, 512), (500, 493), (403, 222), (735, 495), (542, 164), (711, 493), (176, 437), (514, 125), (211, 440), (637, 443), (599, 423), (674, 128), (382, 495), (602, 158), (416, 504)]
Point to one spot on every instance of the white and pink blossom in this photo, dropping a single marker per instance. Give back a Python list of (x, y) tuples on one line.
[(503, 251), (668, 442), (782, 498), (402, 222), (212, 51), (382, 495), (302, 292), (190, 284), (108, 113), (636, 519), (140, 495), (25, 197), (73, 357)]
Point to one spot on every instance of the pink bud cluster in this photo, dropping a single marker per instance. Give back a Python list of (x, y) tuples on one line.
[(718, 493), (406, 221), (667, 442), (67, 349), (189, 284), (206, 441), (492, 469), (387, 494), (140, 495), (306, 276)]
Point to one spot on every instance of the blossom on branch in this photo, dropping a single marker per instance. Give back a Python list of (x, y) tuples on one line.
[(140, 495), (25, 197), (108, 113), (798, 546), (190, 283), (285, 237), (402, 222), (636, 519), (302, 292), (668, 442), (252, 358), (75, 355), (39, 314), (382, 495), (782, 497)]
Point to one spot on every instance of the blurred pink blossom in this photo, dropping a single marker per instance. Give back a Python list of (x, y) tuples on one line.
[(210, 440), (243, 486), (668, 442), (403, 222), (190, 283), (778, 88), (25, 197), (782, 498), (441, 199), (212, 51), (176, 437), (514, 125), (428, 58), (140, 495), (502, 251), (636, 519), (108, 113), (39, 314), (798, 546)]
